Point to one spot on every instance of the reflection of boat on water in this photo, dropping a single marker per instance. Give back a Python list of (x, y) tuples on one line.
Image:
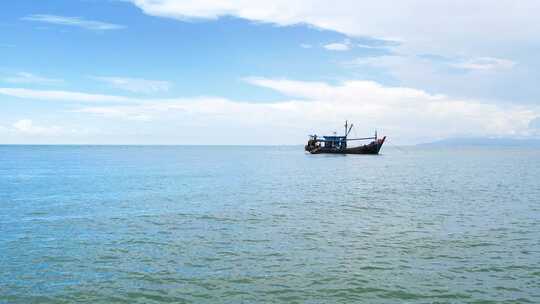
[(338, 144)]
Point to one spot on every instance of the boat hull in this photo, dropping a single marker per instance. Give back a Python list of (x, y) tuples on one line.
[(372, 148)]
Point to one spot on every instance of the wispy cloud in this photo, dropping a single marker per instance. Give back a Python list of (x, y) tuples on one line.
[(29, 78), (74, 21), (136, 85), (27, 127), (66, 96), (306, 46), (367, 46), (485, 64), (136, 113), (367, 43), (397, 62), (339, 46)]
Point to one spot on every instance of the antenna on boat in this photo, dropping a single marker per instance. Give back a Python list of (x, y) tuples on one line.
[(375, 134)]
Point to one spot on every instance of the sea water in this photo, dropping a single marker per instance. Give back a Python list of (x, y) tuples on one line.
[(204, 224)]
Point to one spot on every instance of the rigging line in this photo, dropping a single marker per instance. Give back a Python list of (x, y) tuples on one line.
[(400, 149)]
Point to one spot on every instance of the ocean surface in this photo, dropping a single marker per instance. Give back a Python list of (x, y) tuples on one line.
[(194, 224)]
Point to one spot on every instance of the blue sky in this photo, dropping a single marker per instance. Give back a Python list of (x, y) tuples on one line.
[(189, 72)]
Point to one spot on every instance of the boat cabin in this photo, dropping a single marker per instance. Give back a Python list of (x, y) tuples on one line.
[(335, 142)]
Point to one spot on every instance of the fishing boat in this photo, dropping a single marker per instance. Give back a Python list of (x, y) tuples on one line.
[(338, 144)]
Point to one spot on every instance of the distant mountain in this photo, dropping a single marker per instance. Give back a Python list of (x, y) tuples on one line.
[(488, 142)]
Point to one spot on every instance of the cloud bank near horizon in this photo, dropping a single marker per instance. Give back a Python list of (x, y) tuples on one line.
[(407, 115)]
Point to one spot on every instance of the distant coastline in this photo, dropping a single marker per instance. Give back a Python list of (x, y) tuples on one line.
[(483, 142)]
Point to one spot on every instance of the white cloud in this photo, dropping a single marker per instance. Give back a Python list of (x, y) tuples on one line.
[(345, 45), (74, 21), (27, 127), (449, 28), (493, 82), (63, 95), (306, 46), (485, 64), (406, 115), (128, 113), (136, 85), (397, 61), (337, 46), (431, 26), (379, 61), (29, 78), (367, 46)]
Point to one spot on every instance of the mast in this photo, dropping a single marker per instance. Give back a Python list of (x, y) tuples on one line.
[(348, 128)]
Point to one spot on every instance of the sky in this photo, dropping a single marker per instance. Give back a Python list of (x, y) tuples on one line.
[(266, 72)]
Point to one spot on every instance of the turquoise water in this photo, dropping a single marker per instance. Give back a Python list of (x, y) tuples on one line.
[(268, 225)]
